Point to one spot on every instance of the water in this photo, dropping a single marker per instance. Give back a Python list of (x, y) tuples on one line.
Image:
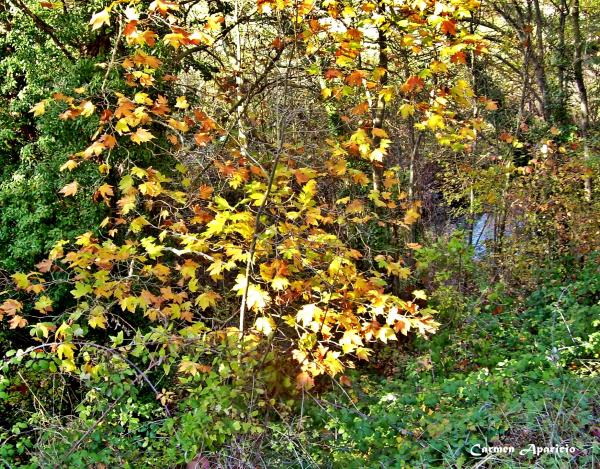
[(483, 231)]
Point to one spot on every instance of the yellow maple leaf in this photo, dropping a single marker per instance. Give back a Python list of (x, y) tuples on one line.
[(70, 189), (188, 367), (174, 39), (97, 319), (436, 121), (207, 300), (141, 135), (407, 110), (386, 333), (65, 350), (332, 364), (106, 190), (39, 108), (307, 313), (266, 325), (100, 18), (43, 304), (182, 103), (70, 165), (87, 108), (420, 294)]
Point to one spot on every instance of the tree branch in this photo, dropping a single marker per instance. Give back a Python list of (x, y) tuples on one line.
[(44, 27)]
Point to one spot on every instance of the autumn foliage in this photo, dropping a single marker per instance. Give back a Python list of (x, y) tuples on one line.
[(254, 236)]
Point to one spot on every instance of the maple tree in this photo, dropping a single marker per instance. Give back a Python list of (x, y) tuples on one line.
[(277, 243)]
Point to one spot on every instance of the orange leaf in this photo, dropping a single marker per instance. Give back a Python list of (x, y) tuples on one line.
[(130, 28), (108, 141), (379, 133), (361, 108), (44, 266), (449, 27), (344, 380), (205, 192), (304, 381), (414, 83), (163, 6), (202, 138), (459, 58), (355, 78), (149, 37), (106, 190), (491, 105), (332, 73), (10, 307), (17, 321)]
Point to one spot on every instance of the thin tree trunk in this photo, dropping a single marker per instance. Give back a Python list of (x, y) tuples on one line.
[(582, 92), (539, 58), (379, 114), (239, 82), (562, 61)]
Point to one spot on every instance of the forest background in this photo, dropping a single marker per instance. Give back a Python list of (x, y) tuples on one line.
[(272, 233)]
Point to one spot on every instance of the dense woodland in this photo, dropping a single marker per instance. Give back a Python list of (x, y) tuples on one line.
[(299, 233)]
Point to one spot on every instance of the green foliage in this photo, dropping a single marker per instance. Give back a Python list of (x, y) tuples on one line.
[(33, 219), (511, 378)]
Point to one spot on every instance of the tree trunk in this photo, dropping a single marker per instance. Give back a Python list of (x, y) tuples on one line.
[(539, 58), (379, 112), (563, 112), (582, 92)]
